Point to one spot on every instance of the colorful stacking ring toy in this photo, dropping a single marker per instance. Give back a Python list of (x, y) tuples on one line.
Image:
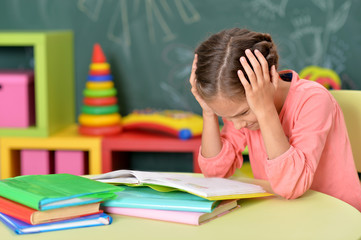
[(99, 110), (99, 120), (99, 115), (100, 93), (99, 72), (96, 131), (99, 85), (103, 101), (99, 66), (100, 78)]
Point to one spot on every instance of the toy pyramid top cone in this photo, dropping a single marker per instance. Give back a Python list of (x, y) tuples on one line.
[(99, 115), (98, 54)]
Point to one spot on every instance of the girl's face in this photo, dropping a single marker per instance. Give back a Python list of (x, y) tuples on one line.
[(236, 111)]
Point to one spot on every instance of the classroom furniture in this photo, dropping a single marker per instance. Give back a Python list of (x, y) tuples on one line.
[(66, 139), (17, 105), (33, 162), (349, 101), (313, 216), (53, 77), (138, 141)]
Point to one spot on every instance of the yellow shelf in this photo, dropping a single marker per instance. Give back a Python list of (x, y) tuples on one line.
[(66, 139)]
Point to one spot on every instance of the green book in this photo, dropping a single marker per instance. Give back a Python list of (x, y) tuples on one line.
[(45, 192)]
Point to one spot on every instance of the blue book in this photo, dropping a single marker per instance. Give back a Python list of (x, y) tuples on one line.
[(20, 227), (145, 197)]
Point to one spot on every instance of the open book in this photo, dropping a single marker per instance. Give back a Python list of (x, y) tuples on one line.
[(209, 188)]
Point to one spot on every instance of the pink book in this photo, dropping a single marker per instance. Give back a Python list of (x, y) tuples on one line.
[(191, 218)]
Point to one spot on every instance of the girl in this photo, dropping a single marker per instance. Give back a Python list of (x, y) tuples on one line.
[(294, 128)]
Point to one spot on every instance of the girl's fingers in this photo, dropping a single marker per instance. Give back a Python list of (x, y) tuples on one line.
[(193, 73), (264, 64), (196, 95), (255, 64), (193, 79), (199, 99), (251, 76), (245, 83), (194, 91), (275, 76)]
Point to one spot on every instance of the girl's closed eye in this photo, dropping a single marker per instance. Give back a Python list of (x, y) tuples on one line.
[(244, 113)]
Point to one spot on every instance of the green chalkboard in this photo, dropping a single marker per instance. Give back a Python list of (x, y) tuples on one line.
[(150, 43)]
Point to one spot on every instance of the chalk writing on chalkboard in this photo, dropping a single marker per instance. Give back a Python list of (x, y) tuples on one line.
[(269, 9), (125, 10), (319, 36), (179, 58), (91, 8)]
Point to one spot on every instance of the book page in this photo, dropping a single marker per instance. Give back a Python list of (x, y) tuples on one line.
[(124, 180), (123, 176), (205, 187)]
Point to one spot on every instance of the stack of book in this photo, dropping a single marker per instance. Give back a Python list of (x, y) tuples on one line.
[(41, 203), (176, 206), (175, 197)]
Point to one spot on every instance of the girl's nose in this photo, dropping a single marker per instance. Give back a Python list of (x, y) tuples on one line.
[(239, 124)]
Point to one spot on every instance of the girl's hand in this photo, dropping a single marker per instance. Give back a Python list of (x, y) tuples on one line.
[(207, 111), (260, 90)]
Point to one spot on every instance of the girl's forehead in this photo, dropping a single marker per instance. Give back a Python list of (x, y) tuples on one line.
[(226, 107), (223, 98)]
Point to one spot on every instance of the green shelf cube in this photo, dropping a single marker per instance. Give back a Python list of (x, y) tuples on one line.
[(54, 80)]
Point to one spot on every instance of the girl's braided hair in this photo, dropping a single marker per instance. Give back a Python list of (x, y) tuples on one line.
[(218, 61)]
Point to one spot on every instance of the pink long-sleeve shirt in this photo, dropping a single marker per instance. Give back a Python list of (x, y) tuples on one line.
[(320, 157)]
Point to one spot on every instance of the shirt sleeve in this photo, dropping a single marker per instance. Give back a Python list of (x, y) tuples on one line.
[(291, 174), (229, 158)]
